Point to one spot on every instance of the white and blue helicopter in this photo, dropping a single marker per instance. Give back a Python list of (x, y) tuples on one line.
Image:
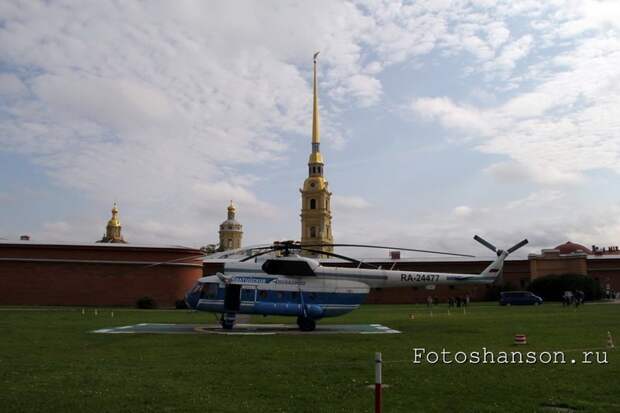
[(292, 285)]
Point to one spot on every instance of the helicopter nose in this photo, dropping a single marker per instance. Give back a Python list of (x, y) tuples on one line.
[(191, 299)]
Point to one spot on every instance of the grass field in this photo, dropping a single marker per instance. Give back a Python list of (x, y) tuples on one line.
[(50, 361)]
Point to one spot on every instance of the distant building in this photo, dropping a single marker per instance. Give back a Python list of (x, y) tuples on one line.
[(113, 229), (316, 216), (231, 231)]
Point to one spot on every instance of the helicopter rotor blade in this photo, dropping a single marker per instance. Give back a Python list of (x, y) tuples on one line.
[(516, 246), (258, 254), (237, 251), (344, 257), (485, 243), (390, 248)]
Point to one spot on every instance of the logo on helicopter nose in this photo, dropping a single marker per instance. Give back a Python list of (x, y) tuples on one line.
[(252, 280)]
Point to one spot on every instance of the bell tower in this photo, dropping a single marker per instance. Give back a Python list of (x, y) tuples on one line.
[(316, 217), (231, 231)]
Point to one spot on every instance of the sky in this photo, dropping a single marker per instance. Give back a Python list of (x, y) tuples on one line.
[(439, 120)]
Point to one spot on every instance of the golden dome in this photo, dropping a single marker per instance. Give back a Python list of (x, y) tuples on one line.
[(314, 183), (231, 207), (114, 221)]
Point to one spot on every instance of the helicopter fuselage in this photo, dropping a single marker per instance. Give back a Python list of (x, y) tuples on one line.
[(300, 286)]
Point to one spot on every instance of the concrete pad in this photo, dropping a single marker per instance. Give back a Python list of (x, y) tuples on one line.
[(247, 329)]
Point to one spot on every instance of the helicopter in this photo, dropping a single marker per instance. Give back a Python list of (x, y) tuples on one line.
[(289, 284)]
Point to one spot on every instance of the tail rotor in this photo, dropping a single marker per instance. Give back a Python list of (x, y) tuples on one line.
[(486, 243), (498, 251), (497, 266), (516, 246)]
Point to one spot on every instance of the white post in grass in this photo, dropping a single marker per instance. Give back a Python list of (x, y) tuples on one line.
[(378, 362)]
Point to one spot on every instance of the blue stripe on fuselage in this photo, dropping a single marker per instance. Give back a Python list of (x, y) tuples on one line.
[(280, 302)]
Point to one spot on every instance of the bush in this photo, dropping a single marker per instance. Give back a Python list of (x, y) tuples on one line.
[(552, 287), (146, 303), (180, 305)]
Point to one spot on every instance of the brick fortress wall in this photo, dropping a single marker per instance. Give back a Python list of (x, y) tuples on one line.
[(98, 274)]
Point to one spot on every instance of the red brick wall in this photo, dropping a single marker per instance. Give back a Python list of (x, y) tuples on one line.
[(607, 271), (104, 283)]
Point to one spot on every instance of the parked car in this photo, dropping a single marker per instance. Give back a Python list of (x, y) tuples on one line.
[(519, 298)]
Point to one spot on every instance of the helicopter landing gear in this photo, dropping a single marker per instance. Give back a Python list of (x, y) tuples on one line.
[(306, 324), (227, 321)]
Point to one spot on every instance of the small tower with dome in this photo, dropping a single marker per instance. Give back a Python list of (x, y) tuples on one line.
[(113, 229), (231, 231)]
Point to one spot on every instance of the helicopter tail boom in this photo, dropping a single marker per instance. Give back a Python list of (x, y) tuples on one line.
[(395, 278)]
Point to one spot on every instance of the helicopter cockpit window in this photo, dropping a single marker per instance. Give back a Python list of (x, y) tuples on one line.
[(209, 291), (287, 267)]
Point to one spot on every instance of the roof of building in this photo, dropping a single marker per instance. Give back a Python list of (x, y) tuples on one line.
[(91, 244), (230, 222), (571, 247)]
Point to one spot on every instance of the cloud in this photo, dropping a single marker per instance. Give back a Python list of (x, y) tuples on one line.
[(367, 90), (553, 133), (512, 172), (342, 203), (511, 54), (452, 115), (462, 211), (173, 109), (537, 199), (11, 86)]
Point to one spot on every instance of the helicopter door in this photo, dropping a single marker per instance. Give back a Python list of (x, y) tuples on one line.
[(232, 297), (248, 294)]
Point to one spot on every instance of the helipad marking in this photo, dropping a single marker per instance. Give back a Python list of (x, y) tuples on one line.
[(246, 329)]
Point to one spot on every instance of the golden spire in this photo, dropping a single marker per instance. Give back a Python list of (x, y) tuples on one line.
[(315, 109), (114, 221), (315, 156), (231, 210)]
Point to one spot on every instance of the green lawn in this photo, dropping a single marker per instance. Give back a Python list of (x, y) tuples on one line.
[(49, 361)]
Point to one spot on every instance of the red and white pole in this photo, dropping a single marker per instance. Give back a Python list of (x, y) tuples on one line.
[(378, 382)]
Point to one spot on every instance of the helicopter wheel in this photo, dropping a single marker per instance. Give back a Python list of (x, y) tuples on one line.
[(306, 324), (227, 322)]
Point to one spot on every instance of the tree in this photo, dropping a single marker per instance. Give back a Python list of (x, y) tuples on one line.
[(552, 287)]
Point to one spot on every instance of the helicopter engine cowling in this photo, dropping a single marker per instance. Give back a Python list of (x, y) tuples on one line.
[(312, 310)]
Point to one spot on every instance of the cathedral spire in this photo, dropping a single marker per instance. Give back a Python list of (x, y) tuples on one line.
[(316, 217), (316, 159), (316, 138)]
